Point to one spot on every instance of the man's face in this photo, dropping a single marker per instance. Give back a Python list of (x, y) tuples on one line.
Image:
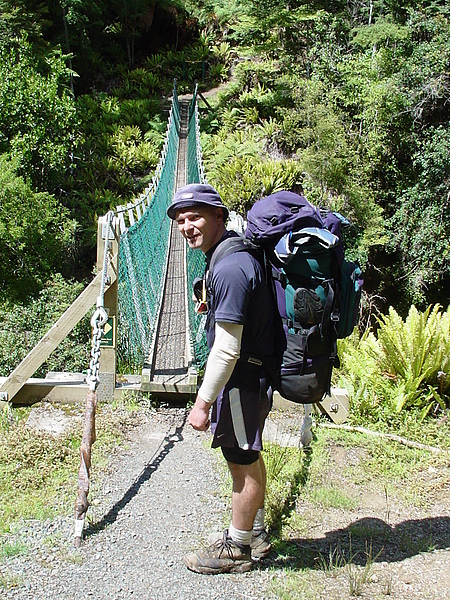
[(202, 226)]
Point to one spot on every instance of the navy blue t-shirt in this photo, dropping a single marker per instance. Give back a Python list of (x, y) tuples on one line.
[(239, 294)]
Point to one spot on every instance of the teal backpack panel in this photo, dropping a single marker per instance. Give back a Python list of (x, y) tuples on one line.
[(351, 282)]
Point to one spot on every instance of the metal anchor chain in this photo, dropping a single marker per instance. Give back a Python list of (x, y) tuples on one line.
[(100, 316), (98, 322)]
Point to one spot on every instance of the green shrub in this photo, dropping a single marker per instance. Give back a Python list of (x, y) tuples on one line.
[(238, 118), (130, 152), (417, 353), (35, 234), (218, 73), (222, 53), (420, 228), (37, 113), (242, 181), (122, 145)]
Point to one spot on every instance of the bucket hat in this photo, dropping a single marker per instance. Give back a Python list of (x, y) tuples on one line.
[(195, 194)]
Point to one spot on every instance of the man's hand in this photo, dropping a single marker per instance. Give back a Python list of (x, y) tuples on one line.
[(199, 415)]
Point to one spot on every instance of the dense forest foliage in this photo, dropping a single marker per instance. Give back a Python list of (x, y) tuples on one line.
[(346, 101)]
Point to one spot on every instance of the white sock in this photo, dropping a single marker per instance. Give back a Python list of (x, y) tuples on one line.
[(243, 538), (258, 523)]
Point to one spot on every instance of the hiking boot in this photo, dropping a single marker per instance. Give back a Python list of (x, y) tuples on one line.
[(223, 556), (259, 546)]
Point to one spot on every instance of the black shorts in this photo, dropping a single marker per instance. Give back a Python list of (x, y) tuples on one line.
[(237, 422), (238, 456)]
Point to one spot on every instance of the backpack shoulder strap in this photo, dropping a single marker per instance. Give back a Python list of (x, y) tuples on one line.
[(231, 245), (238, 243)]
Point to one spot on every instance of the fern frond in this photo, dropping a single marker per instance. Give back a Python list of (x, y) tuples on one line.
[(406, 365)]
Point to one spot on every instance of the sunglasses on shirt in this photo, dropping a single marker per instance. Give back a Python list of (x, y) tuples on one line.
[(201, 302)]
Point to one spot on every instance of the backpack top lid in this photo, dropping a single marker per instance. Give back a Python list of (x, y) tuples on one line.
[(273, 216), (291, 242)]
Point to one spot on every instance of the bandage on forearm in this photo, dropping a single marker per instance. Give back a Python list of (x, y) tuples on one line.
[(222, 359)]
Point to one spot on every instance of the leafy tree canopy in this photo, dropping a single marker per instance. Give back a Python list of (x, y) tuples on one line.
[(37, 113), (35, 234)]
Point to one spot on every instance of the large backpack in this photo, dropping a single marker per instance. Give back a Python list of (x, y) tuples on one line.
[(317, 291)]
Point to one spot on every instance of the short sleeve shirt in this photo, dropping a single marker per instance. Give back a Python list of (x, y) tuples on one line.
[(239, 294)]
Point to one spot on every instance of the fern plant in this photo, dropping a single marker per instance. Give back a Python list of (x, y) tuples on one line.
[(155, 62), (222, 52), (245, 179), (268, 128), (198, 51), (239, 118), (405, 365), (218, 72), (359, 373)]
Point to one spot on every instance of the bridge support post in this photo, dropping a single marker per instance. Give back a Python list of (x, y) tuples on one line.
[(108, 361)]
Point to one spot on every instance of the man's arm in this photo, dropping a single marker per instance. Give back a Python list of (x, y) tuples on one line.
[(221, 362)]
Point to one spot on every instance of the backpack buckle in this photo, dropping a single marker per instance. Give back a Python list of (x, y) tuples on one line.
[(335, 317), (254, 361)]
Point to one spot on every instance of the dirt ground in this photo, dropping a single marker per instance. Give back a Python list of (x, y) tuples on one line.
[(382, 538)]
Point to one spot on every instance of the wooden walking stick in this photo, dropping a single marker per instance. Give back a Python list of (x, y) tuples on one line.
[(81, 502)]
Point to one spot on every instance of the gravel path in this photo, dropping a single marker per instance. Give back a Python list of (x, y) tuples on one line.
[(164, 498), (163, 494)]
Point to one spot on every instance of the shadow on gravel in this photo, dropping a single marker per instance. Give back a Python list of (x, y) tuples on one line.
[(362, 542), (166, 446)]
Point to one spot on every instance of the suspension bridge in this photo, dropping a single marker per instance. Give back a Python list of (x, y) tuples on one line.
[(143, 317)]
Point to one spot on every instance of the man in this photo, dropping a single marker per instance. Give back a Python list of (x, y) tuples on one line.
[(239, 329)]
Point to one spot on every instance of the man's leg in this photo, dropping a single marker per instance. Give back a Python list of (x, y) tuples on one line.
[(260, 544), (249, 488), (232, 553)]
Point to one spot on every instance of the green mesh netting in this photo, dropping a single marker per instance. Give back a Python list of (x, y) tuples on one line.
[(195, 259), (143, 252), (194, 167)]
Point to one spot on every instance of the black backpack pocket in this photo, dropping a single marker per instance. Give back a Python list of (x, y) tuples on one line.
[(306, 368)]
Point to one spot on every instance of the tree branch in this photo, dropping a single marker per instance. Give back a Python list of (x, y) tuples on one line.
[(389, 436)]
